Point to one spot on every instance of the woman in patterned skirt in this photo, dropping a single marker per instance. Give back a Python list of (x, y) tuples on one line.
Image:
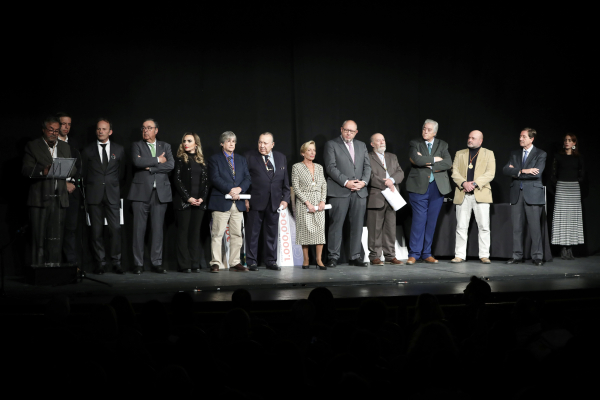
[(567, 172), (310, 188)]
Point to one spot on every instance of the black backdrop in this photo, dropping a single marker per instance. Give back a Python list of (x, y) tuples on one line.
[(299, 74)]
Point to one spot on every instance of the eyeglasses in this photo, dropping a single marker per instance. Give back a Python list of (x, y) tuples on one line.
[(147, 128), (348, 131), (50, 130)]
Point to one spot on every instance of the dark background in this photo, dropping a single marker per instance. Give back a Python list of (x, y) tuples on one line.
[(298, 73)]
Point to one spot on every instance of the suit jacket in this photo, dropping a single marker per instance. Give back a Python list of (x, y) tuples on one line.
[(182, 181), (418, 177), (533, 189), (264, 188), (340, 168), (485, 170), (96, 180), (222, 181), (376, 185), (143, 179), (37, 154)]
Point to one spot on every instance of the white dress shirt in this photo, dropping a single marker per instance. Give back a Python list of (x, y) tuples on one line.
[(382, 159)]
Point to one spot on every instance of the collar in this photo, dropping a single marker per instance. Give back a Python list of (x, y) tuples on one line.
[(148, 143), (227, 155), (66, 140), (529, 149), (99, 143), (344, 141), (432, 141)]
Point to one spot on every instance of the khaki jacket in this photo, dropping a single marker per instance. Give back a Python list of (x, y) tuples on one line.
[(485, 170)]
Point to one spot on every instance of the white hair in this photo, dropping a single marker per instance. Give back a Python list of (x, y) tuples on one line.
[(225, 136), (430, 121)]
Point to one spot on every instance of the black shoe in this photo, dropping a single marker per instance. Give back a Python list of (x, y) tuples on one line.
[(136, 270), (196, 269), (515, 261), (159, 269), (331, 263), (99, 271), (306, 266), (358, 263), (321, 267), (118, 270), (253, 267), (273, 267), (570, 255), (187, 271), (563, 253), (538, 263)]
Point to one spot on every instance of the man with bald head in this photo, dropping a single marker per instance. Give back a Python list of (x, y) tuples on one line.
[(381, 217), (473, 170), (349, 170)]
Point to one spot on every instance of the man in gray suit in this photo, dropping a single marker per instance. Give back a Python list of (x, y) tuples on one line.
[(527, 197), (349, 169), (150, 192)]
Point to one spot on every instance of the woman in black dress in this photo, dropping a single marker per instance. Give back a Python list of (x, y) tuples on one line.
[(567, 172), (189, 200)]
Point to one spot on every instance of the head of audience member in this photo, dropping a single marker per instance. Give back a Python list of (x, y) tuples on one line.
[(308, 150), (190, 146), (570, 143), (349, 129), (477, 292), (475, 139), (228, 141), (429, 131), (50, 130), (428, 309), (241, 298), (378, 143), (65, 124), (527, 137), (322, 298), (149, 130), (103, 130), (265, 143), (303, 313)]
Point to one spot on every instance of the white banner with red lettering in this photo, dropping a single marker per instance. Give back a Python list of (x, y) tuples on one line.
[(288, 253)]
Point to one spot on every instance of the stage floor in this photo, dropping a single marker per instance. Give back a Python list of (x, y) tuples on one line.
[(344, 281)]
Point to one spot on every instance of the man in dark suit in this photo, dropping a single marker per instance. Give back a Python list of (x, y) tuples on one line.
[(427, 184), (527, 196), (228, 175), (70, 247), (47, 221), (349, 169), (150, 192), (270, 190), (381, 217), (103, 174)]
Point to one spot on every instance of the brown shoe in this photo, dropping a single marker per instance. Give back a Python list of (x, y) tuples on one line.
[(411, 260), (457, 260), (214, 268), (238, 268), (485, 260), (376, 261), (430, 260), (394, 261)]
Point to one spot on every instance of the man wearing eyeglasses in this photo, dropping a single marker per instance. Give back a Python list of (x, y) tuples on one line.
[(349, 169), (39, 156), (150, 192)]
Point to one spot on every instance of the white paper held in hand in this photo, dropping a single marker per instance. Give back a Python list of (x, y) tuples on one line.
[(327, 207), (242, 197), (394, 198)]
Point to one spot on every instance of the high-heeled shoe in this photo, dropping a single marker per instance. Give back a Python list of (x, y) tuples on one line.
[(306, 266), (321, 267)]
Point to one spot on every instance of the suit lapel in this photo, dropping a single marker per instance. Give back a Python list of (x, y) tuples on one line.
[(481, 157), (345, 149), (530, 155)]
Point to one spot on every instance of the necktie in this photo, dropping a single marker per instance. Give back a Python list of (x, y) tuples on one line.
[(230, 161), (104, 156), (152, 149), (431, 176), (270, 169), (351, 149), (522, 165)]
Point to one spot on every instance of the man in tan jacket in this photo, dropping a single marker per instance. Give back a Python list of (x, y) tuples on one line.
[(381, 217), (472, 171)]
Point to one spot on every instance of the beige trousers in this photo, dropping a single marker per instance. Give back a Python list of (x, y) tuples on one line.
[(463, 216), (219, 223)]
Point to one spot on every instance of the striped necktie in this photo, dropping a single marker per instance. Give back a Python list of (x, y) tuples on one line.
[(431, 176), (230, 162)]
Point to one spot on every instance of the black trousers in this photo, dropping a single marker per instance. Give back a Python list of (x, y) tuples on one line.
[(268, 221), (112, 214), (70, 247), (189, 249), (47, 226)]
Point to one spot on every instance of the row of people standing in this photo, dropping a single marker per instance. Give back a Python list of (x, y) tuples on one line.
[(354, 184)]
